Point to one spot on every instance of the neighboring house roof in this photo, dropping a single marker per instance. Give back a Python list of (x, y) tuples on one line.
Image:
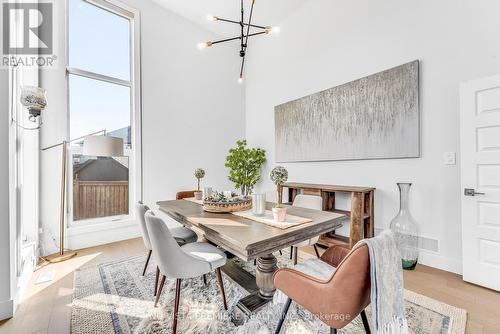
[(122, 160), (101, 169)]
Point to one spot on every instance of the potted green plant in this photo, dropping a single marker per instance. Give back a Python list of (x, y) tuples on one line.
[(199, 174), (279, 175), (244, 166)]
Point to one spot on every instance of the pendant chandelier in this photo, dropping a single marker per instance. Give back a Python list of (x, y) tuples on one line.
[(244, 34)]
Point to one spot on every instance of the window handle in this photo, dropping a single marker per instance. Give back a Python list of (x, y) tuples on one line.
[(472, 192)]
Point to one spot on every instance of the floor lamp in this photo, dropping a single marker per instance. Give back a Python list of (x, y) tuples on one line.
[(93, 145)]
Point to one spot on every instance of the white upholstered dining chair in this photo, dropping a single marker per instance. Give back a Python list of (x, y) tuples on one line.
[(181, 262), (182, 235), (308, 202)]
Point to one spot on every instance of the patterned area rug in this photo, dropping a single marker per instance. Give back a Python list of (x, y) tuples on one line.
[(115, 298)]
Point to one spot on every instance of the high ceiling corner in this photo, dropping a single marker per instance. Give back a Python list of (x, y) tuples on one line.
[(267, 12)]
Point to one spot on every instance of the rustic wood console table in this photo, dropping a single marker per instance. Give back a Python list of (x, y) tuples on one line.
[(361, 213)]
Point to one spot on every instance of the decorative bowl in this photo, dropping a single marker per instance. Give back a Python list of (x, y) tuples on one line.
[(234, 205)]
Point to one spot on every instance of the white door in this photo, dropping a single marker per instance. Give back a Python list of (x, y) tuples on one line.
[(480, 173)]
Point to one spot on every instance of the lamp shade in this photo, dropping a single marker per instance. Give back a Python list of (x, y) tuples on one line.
[(103, 146)]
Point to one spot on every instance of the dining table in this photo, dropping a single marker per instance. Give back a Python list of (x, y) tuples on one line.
[(248, 239)]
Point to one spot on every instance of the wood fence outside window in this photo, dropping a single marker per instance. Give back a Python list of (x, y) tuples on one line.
[(94, 199)]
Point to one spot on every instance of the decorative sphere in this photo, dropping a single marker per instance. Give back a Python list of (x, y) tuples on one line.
[(199, 173), (279, 175)]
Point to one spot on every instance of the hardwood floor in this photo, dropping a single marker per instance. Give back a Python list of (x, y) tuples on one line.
[(46, 307), (482, 305)]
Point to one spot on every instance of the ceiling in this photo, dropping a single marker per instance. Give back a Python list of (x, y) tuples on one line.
[(266, 12)]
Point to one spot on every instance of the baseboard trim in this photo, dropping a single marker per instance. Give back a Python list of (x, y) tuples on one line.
[(440, 262), (100, 237), (6, 309)]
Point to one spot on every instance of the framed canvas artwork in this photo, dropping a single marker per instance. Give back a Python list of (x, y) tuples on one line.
[(376, 117)]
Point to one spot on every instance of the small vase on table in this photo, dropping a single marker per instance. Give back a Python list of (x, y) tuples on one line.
[(258, 204)]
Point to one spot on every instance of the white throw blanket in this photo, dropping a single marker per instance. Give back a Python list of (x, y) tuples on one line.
[(387, 291)]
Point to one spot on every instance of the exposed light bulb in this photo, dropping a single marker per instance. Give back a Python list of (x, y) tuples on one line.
[(273, 30), (240, 80), (212, 18), (204, 45)]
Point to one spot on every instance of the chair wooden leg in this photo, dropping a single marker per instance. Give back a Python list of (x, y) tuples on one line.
[(283, 316), (147, 261), (295, 255), (333, 331), (365, 322), (205, 279), (291, 252), (176, 305), (221, 285), (156, 279), (158, 293), (316, 250)]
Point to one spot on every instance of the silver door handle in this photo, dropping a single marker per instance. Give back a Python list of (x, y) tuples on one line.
[(471, 192)]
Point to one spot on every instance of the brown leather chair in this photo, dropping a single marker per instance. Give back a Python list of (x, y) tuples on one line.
[(184, 194), (337, 300)]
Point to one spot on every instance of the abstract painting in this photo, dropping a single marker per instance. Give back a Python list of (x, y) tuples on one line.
[(376, 117)]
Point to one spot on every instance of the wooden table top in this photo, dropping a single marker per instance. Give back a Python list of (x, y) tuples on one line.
[(247, 238)]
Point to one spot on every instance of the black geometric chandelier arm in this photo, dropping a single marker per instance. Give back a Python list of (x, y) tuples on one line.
[(210, 43), (240, 79), (243, 52), (248, 25), (216, 18), (243, 36)]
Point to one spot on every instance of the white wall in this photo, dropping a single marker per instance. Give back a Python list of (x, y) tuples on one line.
[(18, 192), (27, 166), (54, 130), (193, 105), (6, 298), (192, 111), (329, 42)]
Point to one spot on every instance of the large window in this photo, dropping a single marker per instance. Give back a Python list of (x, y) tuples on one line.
[(102, 97)]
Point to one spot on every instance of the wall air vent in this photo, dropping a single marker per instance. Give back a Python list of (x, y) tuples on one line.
[(423, 242)]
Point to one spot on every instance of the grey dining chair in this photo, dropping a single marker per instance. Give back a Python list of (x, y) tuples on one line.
[(308, 202), (181, 234), (181, 262)]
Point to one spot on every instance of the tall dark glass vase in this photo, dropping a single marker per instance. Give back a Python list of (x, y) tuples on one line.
[(405, 229)]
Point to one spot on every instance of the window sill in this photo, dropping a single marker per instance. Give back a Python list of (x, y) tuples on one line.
[(98, 227)]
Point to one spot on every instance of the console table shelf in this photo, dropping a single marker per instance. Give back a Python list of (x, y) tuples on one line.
[(361, 214)]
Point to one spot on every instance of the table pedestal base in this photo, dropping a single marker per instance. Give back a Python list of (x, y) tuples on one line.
[(266, 267), (247, 306), (260, 286)]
